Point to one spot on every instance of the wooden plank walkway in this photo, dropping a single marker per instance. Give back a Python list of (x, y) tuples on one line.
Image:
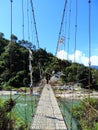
[(48, 115)]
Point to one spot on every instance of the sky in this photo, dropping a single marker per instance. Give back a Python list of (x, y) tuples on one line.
[(48, 16)]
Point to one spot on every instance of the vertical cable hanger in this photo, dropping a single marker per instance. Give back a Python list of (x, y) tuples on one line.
[(30, 52), (10, 102), (89, 45), (65, 29), (71, 123), (23, 19), (11, 1), (31, 27), (28, 20), (24, 80), (75, 30)]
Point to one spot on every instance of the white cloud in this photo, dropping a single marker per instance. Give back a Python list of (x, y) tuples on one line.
[(62, 54), (94, 60), (78, 57)]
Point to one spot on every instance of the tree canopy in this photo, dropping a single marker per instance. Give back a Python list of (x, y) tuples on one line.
[(14, 65)]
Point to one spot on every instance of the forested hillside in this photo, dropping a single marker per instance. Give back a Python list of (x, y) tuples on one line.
[(14, 65)]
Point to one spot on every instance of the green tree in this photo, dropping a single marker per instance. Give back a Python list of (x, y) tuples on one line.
[(13, 38), (71, 72), (83, 75), (26, 44), (1, 35), (3, 43), (14, 60), (14, 65)]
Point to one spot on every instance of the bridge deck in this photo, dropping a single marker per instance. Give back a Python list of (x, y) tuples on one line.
[(48, 115)]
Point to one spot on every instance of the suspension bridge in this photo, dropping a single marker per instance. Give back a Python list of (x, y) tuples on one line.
[(48, 115)]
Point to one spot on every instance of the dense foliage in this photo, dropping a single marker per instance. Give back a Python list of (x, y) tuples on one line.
[(86, 116), (8, 119), (14, 65), (4, 117)]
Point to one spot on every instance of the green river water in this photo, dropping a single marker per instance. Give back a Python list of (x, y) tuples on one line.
[(66, 106), (26, 105)]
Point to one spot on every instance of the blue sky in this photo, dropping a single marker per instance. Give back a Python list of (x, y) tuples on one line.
[(48, 15)]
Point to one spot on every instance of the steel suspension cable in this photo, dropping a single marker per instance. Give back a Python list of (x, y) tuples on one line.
[(39, 64), (68, 12), (69, 31), (65, 37), (65, 27), (62, 21), (35, 23)]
